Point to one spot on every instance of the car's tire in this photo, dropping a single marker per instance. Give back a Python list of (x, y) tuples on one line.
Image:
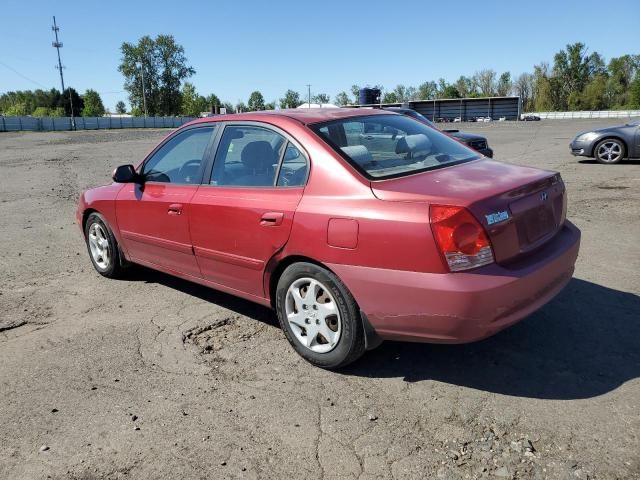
[(326, 329), (609, 151), (102, 247)]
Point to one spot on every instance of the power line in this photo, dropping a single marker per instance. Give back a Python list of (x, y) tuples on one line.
[(22, 75)]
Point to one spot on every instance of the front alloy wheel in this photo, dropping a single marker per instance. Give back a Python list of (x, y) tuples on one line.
[(609, 151), (99, 246), (102, 246)]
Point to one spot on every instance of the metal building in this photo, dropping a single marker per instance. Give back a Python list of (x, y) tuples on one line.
[(467, 109)]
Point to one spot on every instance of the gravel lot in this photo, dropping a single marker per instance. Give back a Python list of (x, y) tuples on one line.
[(154, 377)]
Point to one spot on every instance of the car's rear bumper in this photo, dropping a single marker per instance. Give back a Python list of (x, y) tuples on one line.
[(462, 307)]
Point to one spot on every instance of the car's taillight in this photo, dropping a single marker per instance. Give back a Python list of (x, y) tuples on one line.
[(460, 238)]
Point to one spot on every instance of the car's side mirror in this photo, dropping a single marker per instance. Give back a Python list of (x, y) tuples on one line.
[(125, 174)]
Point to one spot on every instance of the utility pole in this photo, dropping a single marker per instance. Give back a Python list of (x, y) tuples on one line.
[(144, 92), (309, 95), (58, 45)]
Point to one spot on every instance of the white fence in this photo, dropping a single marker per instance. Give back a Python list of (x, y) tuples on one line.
[(586, 114), (16, 124)]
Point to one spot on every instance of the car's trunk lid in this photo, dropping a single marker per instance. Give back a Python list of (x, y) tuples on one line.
[(520, 207)]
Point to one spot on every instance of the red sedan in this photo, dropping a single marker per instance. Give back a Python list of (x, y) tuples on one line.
[(354, 225)]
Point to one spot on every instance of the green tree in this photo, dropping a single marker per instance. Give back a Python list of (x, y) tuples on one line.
[(320, 98), (163, 64), (523, 88), (571, 72), (342, 99), (594, 95), (241, 107), (291, 99), (447, 90), (450, 92), (256, 101), (78, 103), (621, 72), (213, 101), (121, 108), (41, 112), (465, 86), (270, 105), (634, 92), (486, 81), (390, 97), (93, 106), (229, 107), (427, 90), (503, 87), (16, 110), (355, 92), (192, 103)]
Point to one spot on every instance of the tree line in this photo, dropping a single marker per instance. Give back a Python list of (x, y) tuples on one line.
[(576, 80), (156, 73), (51, 103)]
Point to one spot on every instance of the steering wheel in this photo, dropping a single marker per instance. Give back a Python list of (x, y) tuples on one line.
[(184, 170)]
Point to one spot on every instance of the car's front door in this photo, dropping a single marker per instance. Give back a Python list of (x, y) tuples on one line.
[(153, 216), (243, 215)]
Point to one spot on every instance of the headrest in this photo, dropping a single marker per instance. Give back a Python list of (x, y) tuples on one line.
[(413, 144), (358, 153), (258, 155)]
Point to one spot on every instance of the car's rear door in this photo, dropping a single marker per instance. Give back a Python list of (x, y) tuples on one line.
[(153, 216), (242, 215)]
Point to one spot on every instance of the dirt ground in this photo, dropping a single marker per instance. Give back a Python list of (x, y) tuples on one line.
[(154, 377)]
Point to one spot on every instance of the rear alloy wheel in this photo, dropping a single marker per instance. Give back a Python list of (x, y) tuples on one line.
[(102, 247), (609, 151), (319, 316)]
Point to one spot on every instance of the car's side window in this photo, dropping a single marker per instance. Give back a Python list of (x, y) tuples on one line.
[(294, 168), (180, 159), (247, 156)]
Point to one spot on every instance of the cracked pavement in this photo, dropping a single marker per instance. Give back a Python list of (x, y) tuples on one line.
[(154, 377)]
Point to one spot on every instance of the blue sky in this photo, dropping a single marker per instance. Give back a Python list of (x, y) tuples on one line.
[(243, 45)]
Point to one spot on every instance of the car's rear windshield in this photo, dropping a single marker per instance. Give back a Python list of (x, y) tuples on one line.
[(387, 146)]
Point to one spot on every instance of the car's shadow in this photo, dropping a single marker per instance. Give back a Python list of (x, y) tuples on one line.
[(623, 162), (235, 304), (585, 343)]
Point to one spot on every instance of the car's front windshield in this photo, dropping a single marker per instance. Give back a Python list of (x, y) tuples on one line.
[(386, 146)]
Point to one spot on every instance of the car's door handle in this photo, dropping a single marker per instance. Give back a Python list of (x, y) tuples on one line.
[(369, 137), (272, 219), (175, 209)]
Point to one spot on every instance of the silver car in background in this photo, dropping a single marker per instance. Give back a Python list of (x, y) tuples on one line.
[(609, 145)]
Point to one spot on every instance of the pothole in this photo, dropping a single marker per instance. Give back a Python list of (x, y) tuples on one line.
[(215, 336)]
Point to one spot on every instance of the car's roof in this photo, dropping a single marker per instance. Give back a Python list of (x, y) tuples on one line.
[(306, 116)]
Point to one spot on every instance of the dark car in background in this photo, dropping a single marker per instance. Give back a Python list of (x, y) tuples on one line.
[(476, 142), (609, 145)]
